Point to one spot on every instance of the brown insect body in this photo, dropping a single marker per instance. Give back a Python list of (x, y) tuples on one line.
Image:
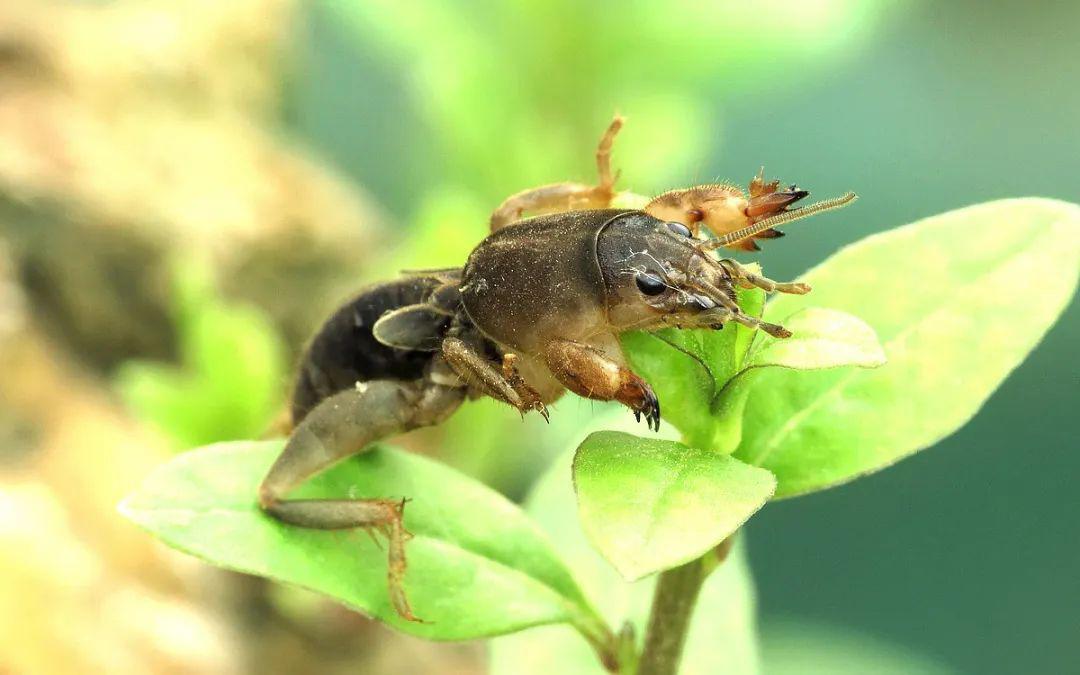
[(535, 311), (537, 278)]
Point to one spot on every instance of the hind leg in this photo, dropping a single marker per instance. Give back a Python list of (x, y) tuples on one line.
[(343, 425), (565, 196)]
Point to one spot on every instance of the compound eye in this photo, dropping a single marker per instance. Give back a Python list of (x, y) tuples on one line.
[(679, 229), (650, 284)]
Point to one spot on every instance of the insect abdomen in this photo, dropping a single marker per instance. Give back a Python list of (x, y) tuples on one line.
[(344, 351)]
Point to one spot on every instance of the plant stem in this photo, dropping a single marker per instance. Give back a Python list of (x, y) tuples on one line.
[(673, 604), (604, 642)]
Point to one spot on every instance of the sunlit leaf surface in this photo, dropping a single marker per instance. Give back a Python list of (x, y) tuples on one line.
[(650, 504), (958, 301), (477, 565)]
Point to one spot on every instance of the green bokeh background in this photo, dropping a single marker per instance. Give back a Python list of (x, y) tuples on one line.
[(967, 553)]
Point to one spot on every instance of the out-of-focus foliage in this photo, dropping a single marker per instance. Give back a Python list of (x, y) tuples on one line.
[(514, 94), (791, 647), (80, 591), (231, 375), (132, 133)]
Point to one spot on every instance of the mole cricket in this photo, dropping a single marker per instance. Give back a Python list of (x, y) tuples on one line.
[(535, 311)]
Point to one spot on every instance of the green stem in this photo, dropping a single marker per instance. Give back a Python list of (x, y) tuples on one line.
[(673, 604), (676, 594), (603, 641)]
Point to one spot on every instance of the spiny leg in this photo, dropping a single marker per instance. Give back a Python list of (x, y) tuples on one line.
[(729, 310), (565, 196), (748, 279), (603, 157), (718, 316), (501, 382), (343, 425), (756, 323), (593, 373)]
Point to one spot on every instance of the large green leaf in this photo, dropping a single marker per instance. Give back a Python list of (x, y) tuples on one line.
[(723, 634), (958, 301), (477, 565), (649, 505)]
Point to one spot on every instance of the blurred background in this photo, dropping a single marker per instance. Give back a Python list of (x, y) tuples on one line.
[(187, 188)]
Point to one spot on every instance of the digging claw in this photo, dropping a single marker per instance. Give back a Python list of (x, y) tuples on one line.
[(772, 203), (650, 408)]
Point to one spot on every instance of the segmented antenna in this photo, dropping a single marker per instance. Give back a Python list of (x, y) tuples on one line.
[(779, 219)]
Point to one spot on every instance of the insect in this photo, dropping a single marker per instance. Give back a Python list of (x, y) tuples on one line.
[(535, 311)]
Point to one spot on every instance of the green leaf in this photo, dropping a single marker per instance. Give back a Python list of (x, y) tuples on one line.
[(682, 381), (477, 565), (649, 505), (722, 636), (686, 368), (822, 338), (702, 377), (959, 300)]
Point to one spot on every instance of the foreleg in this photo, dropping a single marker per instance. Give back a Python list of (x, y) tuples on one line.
[(499, 382), (590, 372)]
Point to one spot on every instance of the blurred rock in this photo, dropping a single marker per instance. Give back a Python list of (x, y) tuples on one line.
[(134, 134), (135, 131), (82, 590)]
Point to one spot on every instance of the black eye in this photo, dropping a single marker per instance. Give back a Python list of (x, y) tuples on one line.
[(650, 284), (679, 228)]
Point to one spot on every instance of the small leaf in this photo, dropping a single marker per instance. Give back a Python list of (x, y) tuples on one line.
[(821, 338), (722, 636), (649, 505), (959, 300), (701, 376), (686, 368), (682, 381), (477, 565)]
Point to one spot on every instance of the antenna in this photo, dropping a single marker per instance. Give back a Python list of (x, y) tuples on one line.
[(779, 219)]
